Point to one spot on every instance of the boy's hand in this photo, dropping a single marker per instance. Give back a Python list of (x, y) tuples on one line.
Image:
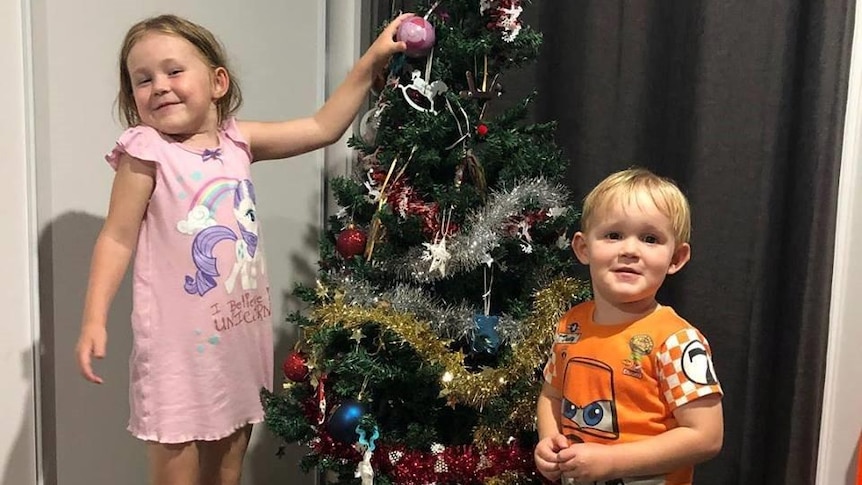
[(586, 462), (546, 453), (385, 45), (91, 343)]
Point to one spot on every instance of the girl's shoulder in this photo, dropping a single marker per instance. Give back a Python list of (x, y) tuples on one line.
[(231, 130), (142, 142)]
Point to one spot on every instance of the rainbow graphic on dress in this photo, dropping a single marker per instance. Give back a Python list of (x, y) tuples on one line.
[(210, 194)]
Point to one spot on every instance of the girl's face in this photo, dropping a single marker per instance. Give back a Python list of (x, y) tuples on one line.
[(175, 89), (630, 250)]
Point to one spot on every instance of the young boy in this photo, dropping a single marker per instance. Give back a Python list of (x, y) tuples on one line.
[(631, 396)]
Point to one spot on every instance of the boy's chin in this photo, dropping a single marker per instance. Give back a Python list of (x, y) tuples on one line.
[(628, 300)]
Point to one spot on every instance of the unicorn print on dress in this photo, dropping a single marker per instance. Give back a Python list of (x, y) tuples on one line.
[(200, 222)]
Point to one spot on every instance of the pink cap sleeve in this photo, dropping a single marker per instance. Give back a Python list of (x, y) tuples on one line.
[(231, 130), (139, 141)]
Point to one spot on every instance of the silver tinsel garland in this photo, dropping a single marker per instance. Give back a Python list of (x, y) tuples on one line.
[(468, 250), (448, 321), (482, 233)]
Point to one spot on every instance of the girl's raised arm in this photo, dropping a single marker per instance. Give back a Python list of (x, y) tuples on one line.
[(270, 140)]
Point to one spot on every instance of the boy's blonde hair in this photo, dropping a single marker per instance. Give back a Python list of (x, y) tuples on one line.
[(205, 42), (625, 186)]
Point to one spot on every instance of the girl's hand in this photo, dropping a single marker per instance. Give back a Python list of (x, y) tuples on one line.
[(385, 46), (91, 343)]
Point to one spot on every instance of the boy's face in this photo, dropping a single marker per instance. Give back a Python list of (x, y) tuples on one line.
[(630, 249)]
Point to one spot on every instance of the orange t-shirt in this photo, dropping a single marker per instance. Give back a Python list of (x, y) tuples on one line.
[(621, 383)]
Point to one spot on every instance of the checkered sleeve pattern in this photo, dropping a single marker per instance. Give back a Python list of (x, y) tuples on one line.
[(685, 369)]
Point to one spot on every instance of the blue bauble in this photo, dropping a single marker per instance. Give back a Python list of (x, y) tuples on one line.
[(485, 337), (342, 424)]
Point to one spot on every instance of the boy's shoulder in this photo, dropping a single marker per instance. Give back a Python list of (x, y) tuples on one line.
[(666, 322)]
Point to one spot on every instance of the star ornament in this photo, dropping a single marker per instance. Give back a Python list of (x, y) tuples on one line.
[(437, 253), (321, 291), (557, 211)]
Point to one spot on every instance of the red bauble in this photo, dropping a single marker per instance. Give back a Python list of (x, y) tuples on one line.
[(482, 130), (350, 242), (295, 367)]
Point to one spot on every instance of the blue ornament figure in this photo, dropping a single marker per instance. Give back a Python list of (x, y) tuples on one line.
[(485, 336), (342, 424)]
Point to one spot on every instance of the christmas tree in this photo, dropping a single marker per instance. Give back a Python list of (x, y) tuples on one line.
[(442, 277)]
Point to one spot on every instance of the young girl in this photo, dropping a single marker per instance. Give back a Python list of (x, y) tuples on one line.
[(183, 202)]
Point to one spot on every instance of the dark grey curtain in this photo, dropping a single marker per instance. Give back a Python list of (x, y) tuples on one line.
[(741, 102)]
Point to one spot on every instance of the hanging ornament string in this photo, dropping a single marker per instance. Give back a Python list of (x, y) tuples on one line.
[(486, 297), (465, 134), (375, 233), (431, 10), (428, 63), (376, 225), (486, 338), (362, 389), (469, 161)]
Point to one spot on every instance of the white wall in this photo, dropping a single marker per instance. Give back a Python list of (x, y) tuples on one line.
[(277, 50), (842, 399), (17, 408)]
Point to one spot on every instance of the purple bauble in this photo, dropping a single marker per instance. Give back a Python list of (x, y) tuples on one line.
[(418, 34)]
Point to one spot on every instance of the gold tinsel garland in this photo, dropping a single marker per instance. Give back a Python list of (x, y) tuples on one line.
[(458, 384)]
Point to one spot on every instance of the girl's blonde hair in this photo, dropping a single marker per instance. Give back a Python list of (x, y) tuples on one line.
[(209, 47), (627, 185)]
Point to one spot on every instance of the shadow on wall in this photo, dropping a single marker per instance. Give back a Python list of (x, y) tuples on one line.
[(854, 472), (17, 467), (84, 439)]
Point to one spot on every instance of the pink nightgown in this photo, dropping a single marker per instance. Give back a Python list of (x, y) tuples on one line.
[(201, 314)]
